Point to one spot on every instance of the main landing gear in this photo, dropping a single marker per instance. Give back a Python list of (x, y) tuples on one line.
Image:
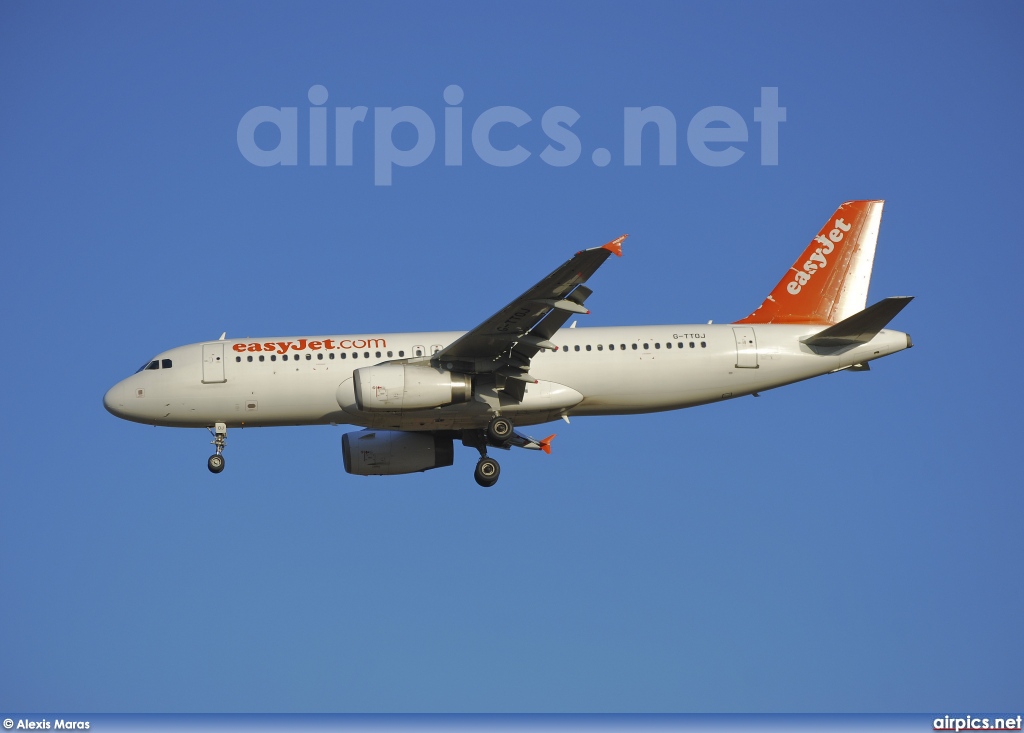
[(498, 434), (487, 471), (220, 438), (499, 430)]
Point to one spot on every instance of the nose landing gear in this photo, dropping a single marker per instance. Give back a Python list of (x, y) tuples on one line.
[(220, 438)]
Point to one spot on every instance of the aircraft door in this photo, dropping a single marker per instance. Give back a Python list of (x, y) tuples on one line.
[(746, 347), (213, 363)]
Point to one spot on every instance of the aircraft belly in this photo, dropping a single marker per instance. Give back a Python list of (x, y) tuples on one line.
[(257, 400), (643, 385), (666, 383), (544, 401)]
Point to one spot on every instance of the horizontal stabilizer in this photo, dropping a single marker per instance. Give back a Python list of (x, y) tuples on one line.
[(860, 327)]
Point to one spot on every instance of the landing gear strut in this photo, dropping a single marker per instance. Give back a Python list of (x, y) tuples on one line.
[(220, 438), (499, 433)]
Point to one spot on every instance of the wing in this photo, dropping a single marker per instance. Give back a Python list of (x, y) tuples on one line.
[(505, 342)]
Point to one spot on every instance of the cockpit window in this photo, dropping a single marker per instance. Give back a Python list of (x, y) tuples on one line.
[(165, 364), (155, 364)]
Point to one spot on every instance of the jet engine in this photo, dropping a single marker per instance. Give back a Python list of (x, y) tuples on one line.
[(390, 452), (403, 387)]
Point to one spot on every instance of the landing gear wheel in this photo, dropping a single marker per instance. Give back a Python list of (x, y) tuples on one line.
[(487, 472), (499, 430), (216, 463)]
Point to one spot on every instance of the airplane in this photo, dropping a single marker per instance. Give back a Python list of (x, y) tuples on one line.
[(415, 394)]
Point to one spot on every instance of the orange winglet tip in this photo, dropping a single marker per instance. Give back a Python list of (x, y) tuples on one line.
[(545, 445), (615, 246)]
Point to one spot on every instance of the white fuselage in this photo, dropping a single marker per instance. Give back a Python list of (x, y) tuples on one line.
[(595, 371)]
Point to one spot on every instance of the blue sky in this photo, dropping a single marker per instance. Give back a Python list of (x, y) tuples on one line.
[(850, 544)]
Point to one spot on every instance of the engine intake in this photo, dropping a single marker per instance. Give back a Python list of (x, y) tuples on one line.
[(391, 452), (398, 387)]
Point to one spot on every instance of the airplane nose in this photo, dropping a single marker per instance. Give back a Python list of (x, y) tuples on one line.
[(113, 400)]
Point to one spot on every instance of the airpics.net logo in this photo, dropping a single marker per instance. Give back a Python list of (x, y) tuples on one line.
[(713, 135)]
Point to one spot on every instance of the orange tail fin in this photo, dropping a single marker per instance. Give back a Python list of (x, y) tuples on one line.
[(830, 280)]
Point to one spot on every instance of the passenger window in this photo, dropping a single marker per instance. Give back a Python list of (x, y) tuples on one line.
[(332, 354), (238, 358), (692, 345), (153, 365), (366, 354), (309, 357), (355, 354), (320, 355), (344, 355), (600, 347), (273, 357), (680, 344), (401, 353), (261, 357), (657, 346), (249, 358), (703, 345), (588, 347), (647, 347), (577, 347), (165, 364), (565, 348), (611, 347), (378, 354), (389, 354), (634, 347)]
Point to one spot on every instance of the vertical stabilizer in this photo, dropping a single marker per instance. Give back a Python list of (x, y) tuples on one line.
[(830, 280)]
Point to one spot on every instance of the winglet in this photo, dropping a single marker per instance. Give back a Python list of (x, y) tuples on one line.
[(615, 246), (545, 445)]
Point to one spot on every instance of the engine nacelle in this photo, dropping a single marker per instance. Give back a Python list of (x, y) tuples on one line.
[(399, 387), (390, 452)]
